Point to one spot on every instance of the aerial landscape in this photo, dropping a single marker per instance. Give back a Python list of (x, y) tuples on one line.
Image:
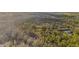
[(39, 29)]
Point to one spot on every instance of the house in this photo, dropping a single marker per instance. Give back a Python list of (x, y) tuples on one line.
[(65, 30)]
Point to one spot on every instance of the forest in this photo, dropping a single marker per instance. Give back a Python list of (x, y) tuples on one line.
[(46, 32)]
